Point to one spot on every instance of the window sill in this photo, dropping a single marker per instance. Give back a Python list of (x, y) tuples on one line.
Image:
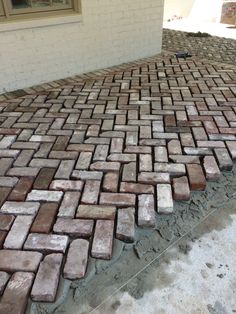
[(40, 22)]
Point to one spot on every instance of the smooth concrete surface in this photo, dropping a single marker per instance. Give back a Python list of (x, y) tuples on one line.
[(197, 275), (191, 25)]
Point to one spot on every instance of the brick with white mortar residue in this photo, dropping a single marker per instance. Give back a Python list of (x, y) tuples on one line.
[(69, 204), (65, 185), (125, 229), (45, 195), (15, 296), (65, 169), (164, 199), (46, 242), (47, 279), (211, 168), (146, 211), (91, 192), (77, 258), (223, 158), (20, 260), (74, 227), (103, 239), (18, 233), (20, 208), (96, 212), (3, 280)]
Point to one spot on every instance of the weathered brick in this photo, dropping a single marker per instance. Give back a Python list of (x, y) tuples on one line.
[(96, 212), (20, 260), (8, 181), (74, 227), (161, 154), (18, 286), (7, 141), (199, 134), (18, 233), (20, 208), (211, 168), (44, 195), (84, 160), (125, 229), (110, 182), (23, 172), (174, 147), (6, 221), (122, 158), (101, 153), (47, 279), (136, 188), (61, 143), (4, 277), (138, 150), (197, 151), (43, 163), (172, 169), (42, 138), (231, 145), (145, 162), (3, 235), (153, 177), (65, 169), (164, 199), (209, 144), (24, 158), (117, 199), (46, 242), (81, 147), (129, 172), (105, 166), (223, 159), (196, 177), (45, 218), (103, 239), (8, 153), (91, 192), (66, 185), (4, 192), (5, 164), (146, 211), (44, 178), (77, 258), (181, 189), (69, 204), (87, 175), (21, 189)]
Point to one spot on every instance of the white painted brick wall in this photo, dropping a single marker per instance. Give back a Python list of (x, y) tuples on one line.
[(109, 32)]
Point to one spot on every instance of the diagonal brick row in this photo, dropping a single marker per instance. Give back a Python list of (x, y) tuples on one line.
[(84, 163)]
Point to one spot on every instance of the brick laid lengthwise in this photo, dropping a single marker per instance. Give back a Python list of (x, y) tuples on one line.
[(90, 161)]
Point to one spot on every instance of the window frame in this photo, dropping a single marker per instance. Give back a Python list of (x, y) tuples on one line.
[(8, 13)]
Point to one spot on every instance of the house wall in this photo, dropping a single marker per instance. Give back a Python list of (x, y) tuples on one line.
[(107, 33)]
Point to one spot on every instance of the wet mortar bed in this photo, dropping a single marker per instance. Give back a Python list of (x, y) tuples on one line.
[(106, 277)]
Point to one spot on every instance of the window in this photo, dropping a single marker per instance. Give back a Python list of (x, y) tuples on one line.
[(13, 9)]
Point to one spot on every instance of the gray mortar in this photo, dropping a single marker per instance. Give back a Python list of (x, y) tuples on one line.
[(105, 277)]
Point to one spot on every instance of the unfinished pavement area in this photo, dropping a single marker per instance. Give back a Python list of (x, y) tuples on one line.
[(94, 160)]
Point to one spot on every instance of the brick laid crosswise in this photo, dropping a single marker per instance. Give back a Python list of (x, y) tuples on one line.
[(95, 159)]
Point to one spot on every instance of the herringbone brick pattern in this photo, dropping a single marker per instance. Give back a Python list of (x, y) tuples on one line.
[(90, 161), (213, 47)]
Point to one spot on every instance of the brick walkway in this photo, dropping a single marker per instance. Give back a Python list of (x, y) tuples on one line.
[(92, 160), (214, 48)]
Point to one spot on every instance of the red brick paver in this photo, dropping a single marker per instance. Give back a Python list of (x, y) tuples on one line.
[(101, 157)]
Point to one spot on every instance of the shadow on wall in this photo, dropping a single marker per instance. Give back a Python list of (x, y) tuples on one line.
[(199, 10)]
